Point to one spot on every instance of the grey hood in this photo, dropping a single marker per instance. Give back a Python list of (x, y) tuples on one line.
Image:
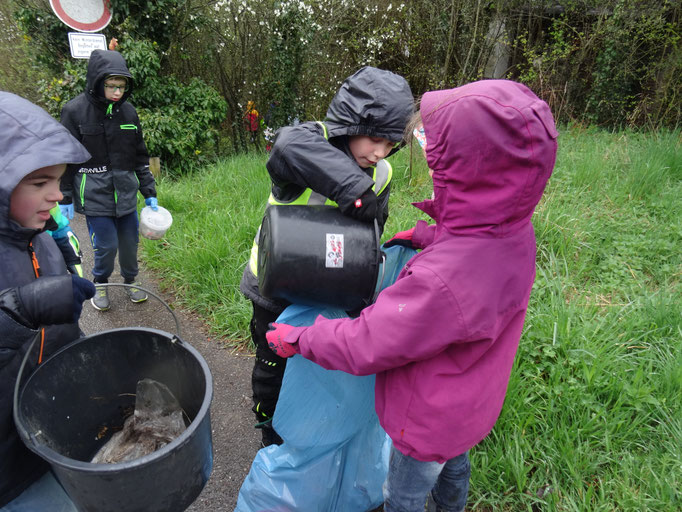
[(29, 139), (371, 102)]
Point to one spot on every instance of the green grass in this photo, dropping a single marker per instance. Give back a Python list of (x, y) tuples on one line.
[(592, 419)]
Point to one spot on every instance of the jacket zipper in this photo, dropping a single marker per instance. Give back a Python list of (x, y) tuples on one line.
[(38, 272)]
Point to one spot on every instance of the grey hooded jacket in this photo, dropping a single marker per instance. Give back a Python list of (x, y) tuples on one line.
[(29, 139)]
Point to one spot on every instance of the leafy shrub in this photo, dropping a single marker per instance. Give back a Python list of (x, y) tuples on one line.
[(613, 65), (615, 62), (179, 121)]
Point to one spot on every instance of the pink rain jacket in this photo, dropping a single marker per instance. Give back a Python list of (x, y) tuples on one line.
[(442, 339)]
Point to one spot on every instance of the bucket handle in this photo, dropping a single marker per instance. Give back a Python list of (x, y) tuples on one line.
[(20, 426), (383, 274), (177, 322), (377, 234), (23, 433)]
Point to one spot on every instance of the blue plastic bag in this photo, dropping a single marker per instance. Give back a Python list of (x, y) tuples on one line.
[(335, 453)]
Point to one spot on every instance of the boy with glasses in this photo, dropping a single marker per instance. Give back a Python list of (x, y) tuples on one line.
[(105, 187)]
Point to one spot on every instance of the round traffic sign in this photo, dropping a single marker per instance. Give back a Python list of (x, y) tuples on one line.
[(83, 15)]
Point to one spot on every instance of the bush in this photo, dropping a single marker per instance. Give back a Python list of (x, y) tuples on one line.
[(179, 121)]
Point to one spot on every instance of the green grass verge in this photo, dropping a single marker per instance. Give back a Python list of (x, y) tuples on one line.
[(592, 419)]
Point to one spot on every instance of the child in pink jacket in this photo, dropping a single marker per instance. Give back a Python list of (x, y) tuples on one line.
[(442, 339)]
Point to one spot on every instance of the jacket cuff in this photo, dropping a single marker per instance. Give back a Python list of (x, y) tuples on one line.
[(423, 234), (294, 336)]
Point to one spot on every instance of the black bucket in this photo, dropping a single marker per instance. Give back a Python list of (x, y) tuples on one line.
[(315, 255), (73, 402)]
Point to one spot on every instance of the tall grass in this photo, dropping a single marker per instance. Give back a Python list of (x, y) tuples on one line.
[(592, 419)]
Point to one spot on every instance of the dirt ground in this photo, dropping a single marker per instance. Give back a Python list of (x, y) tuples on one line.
[(235, 441)]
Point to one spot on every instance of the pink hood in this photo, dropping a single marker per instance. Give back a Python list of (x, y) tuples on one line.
[(492, 147)]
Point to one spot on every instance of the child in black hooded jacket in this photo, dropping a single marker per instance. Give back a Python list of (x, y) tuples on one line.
[(105, 187), (337, 162)]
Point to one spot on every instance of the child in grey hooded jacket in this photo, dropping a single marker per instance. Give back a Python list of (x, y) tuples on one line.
[(39, 299)]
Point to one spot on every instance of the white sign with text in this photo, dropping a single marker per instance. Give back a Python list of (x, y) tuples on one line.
[(83, 44)]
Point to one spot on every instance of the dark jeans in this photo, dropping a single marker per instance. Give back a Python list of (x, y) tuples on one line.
[(268, 368), (109, 235)]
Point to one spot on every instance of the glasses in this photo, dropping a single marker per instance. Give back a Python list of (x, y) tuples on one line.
[(114, 88)]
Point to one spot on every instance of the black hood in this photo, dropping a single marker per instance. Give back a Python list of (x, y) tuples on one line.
[(371, 102), (104, 63)]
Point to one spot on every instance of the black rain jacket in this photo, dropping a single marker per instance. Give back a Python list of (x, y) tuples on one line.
[(107, 184)]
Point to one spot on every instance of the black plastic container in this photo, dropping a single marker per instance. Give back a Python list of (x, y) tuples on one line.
[(315, 255), (73, 402)]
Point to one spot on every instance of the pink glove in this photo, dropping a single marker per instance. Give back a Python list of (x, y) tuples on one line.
[(275, 337), (403, 238)]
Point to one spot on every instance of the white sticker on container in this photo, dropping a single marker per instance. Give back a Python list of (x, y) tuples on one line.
[(334, 251)]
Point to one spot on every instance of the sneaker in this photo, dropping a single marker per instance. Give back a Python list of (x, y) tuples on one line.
[(135, 294), (101, 299)]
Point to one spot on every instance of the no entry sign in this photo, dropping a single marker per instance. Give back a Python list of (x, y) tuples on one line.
[(83, 15)]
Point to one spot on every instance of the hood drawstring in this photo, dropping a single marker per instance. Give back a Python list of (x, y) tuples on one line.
[(109, 109)]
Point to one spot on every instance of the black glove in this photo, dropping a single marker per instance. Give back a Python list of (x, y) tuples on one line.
[(82, 291), (47, 300), (364, 208)]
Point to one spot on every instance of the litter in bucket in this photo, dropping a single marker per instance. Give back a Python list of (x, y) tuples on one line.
[(154, 224), (157, 420), (316, 256), (72, 403)]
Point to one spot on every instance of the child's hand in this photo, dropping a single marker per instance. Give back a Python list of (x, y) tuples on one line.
[(403, 238), (364, 208), (275, 337), (82, 291), (153, 203)]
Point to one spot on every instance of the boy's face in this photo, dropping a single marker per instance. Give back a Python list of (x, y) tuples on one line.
[(114, 87), (367, 151), (35, 195)]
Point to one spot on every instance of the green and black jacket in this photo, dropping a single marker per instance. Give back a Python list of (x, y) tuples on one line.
[(107, 184)]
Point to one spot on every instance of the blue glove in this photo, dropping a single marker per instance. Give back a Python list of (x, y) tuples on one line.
[(67, 210), (152, 202), (82, 290)]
